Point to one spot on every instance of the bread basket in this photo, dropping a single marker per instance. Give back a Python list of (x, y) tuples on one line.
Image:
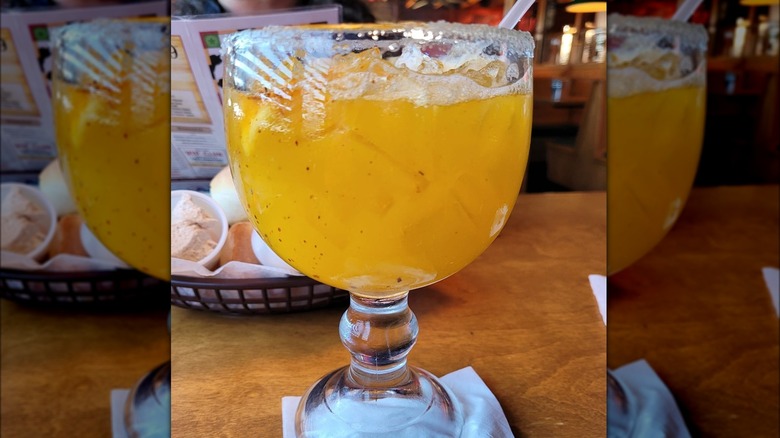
[(121, 287)]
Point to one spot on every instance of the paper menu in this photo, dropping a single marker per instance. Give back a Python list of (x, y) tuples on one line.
[(186, 102), (25, 145), (197, 128), (26, 118), (17, 99)]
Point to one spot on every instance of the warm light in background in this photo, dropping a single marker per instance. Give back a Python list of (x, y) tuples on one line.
[(586, 6), (759, 2), (566, 43)]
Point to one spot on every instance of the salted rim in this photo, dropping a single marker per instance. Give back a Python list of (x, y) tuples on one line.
[(421, 88), (119, 31), (693, 33), (520, 41), (639, 47)]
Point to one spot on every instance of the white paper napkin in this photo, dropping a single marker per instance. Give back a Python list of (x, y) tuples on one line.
[(58, 263), (483, 414), (118, 399), (772, 279), (598, 283), (651, 405), (231, 269)]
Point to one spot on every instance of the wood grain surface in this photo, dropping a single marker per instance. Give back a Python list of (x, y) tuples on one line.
[(522, 315), (697, 309), (59, 366)]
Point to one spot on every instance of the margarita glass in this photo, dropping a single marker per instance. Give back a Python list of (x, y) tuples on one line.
[(378, 159), (655, 125)]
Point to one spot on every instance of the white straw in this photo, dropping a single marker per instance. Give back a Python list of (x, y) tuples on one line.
[(514, 15), (686, 10)]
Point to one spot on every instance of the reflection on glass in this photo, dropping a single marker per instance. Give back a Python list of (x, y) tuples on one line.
[(111, 104)]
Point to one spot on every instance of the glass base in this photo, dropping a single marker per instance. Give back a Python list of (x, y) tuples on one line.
[(148, 407), (414, 405)]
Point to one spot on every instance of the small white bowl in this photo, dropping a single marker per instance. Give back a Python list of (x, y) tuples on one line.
[(213, 209), (267, 257), (50, 224), (95, 248)]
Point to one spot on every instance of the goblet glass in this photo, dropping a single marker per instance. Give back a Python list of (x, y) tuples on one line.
[(111, 102), (378, 159), (655, 109), (655, 125)]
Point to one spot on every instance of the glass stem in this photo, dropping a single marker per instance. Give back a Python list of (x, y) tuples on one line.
[(379, 333)]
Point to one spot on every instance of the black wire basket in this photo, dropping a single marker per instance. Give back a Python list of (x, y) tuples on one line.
[(81, 288), (257, 296)]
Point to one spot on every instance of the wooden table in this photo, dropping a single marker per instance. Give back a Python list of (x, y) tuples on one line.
[(697, 309), (522, 315), (59, 366)]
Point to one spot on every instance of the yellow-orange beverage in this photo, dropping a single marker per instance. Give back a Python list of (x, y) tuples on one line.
[(113, 140), (377, 195), (655, 127), (651, 168)]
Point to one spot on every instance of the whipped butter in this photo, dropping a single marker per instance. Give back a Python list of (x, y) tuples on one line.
[(192, 229), (22, 228)]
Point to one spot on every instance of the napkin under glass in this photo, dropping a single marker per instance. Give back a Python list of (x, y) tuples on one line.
[(772, 279), (641, 406), (118, 400), (598, 283), (483, 416)]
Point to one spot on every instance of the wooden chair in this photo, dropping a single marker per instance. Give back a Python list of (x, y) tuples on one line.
[(583, 166)]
